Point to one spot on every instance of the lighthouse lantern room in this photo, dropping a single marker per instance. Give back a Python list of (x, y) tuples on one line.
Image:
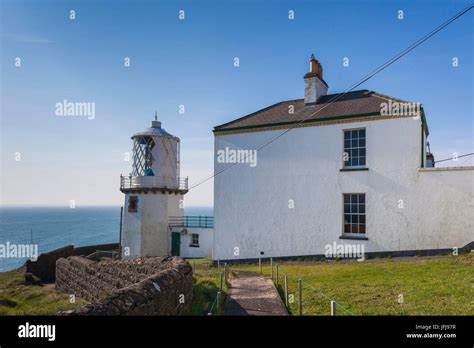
[(153, 192)]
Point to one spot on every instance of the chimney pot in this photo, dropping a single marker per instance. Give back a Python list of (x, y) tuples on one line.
[(315, 86)]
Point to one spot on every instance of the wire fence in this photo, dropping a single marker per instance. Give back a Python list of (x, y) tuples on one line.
[(221, 275), (300, 296), (216, 299)]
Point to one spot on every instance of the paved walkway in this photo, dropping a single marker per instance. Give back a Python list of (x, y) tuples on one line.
[(252, 294)]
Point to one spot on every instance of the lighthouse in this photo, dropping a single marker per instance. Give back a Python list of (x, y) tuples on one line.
[(153, 192)]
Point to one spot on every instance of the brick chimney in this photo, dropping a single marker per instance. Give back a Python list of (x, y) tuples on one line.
[(314, 85)]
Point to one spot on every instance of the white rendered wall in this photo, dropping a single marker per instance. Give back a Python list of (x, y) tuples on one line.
[(175, 208), (154, 224), (165, 166), (206, 240), (146, 231), (251, 205), (314, 88), (445, 197), (131, 229), (175, 205)]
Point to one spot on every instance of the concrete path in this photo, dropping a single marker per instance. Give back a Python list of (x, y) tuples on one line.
[(252, 294)]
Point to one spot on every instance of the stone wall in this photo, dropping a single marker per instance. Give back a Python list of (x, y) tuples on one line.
[(141, 286), (45, 266)]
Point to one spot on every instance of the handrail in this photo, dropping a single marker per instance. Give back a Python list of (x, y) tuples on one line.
[(137, 182), (191, 221)]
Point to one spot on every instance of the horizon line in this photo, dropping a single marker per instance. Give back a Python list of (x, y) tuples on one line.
[(81, 206)]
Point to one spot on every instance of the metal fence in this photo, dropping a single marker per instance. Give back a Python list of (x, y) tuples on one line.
[(295, 290), (191, 221), (142, 182), (299, 295), (222, 276)]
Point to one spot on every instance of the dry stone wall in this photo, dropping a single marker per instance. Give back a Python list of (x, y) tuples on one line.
[(45, 267), (141, 286)]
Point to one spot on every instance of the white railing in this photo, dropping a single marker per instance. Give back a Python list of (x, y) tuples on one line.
[(137, 182)]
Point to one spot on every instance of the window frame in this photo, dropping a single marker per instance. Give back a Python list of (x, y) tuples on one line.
[(344, 165), (354, 234), (142, 155), (135, 198), (192, 240)]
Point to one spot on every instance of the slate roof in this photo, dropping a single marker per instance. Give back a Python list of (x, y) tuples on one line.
[(353, 103)]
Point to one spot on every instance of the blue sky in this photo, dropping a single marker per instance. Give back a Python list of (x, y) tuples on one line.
[(190, 62)]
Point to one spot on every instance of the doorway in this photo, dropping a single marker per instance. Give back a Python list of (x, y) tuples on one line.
[(175, 243)]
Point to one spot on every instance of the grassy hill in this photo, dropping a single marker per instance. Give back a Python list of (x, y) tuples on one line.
[(441, 285), (22, 294)]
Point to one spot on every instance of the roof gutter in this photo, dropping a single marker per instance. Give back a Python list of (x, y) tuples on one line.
[(423, 120), (215, 130)]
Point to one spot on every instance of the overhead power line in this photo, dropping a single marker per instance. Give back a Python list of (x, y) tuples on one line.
[(456, 157), (355, 85)]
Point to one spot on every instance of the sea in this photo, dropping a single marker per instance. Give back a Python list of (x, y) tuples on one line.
[(53, 227)]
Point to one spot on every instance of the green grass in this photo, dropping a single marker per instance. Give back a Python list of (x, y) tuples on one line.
[(200, 263), (205, 288), (441, 285), (18, 297), (429, 285)]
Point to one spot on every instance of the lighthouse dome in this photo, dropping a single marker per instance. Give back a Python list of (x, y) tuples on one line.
[(154, 130), (155, 158)]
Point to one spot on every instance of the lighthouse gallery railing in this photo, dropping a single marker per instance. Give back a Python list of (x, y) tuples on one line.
[(136, 182)]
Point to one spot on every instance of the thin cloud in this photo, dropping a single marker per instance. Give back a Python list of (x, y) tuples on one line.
[(26, 39)]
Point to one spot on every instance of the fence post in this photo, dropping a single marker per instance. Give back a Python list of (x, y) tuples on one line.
[(271, 267), (300, 297), (218, 300), (220, 281), (333, 308), (260, 264), (120, 236), (226, 273), (286, 290), (277, 276), (218, 264)]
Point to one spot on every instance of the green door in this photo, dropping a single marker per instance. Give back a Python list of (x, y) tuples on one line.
[(175, 243)]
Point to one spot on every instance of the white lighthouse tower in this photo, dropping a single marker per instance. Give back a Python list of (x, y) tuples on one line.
[(153, 192)]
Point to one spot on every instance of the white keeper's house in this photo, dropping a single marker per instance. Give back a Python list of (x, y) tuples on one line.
[(351, 168)]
